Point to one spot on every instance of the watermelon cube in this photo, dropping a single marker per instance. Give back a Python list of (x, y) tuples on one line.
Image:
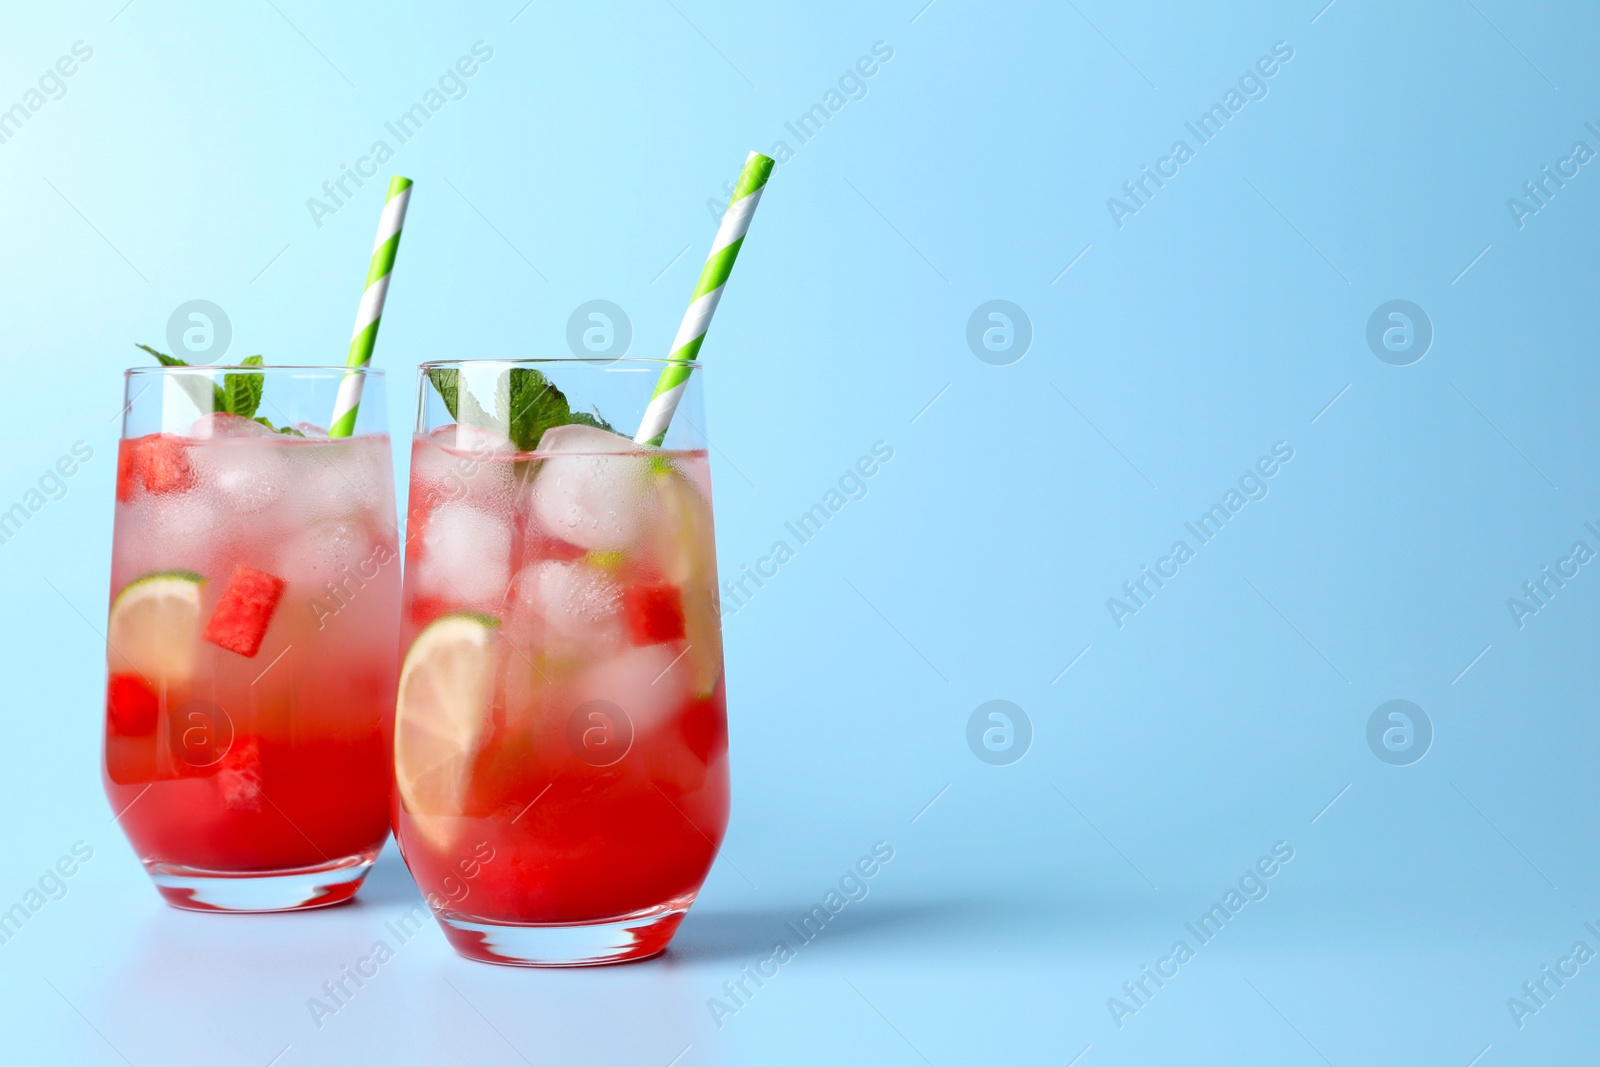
[(130, 705), (243, 613), (654, 611), (239, 775), (156, 463)]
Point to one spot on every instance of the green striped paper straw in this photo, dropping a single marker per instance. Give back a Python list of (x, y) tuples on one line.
[(692, 332), (371, 311)]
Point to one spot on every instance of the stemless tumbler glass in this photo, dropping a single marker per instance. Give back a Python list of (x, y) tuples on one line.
[(560, 732), (252, 642)]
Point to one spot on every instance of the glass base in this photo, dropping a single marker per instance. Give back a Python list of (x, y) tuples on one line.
[(623, 939), (294, 889)]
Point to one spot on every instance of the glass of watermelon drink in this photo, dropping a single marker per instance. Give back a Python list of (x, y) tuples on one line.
[(253, 635), (560, 728)]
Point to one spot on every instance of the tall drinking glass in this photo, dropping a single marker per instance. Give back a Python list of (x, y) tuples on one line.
[(252, 642), (560, 735)]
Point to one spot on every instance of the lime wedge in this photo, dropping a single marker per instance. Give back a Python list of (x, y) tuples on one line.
[(154, 623), (686, 549), (441, 716)]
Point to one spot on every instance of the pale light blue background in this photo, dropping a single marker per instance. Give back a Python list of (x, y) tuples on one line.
[(1223, 317)]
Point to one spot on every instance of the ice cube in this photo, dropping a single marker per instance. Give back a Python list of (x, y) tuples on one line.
[(339, 478), (463, 463), (575, 607), (465, 438), (221, 424), (311, 430), (577, 437), (170, 532), (650, 683), (592, 493), (431, 465), (465, 557), (247, 474), (327, 551)]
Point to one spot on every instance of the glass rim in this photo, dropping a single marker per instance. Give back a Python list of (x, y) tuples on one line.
[(313, 369), (602, 362)]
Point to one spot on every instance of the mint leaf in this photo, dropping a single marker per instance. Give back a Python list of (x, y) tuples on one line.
[(526, 404), (462, 405), (242, 392), (290, 430), (536, 406), (586, 419), (239, 394), (472, 413), (162, 358), (207, 395), (448, 383)]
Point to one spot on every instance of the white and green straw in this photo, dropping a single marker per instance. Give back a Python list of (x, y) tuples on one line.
[(719, 264), (371, 311)]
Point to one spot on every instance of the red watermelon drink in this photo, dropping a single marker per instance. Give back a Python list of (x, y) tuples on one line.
[(560, 732), (251, 645)]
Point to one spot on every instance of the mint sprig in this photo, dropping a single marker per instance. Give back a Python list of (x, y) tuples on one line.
[(239, 394), (243, 391), (536, 406), (206, 394), (526, 405), (447, 382), (586, 419)]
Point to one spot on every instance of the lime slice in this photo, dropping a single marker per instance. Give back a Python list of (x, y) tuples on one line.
[(441, 715), (686, 548), (154, 624)]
